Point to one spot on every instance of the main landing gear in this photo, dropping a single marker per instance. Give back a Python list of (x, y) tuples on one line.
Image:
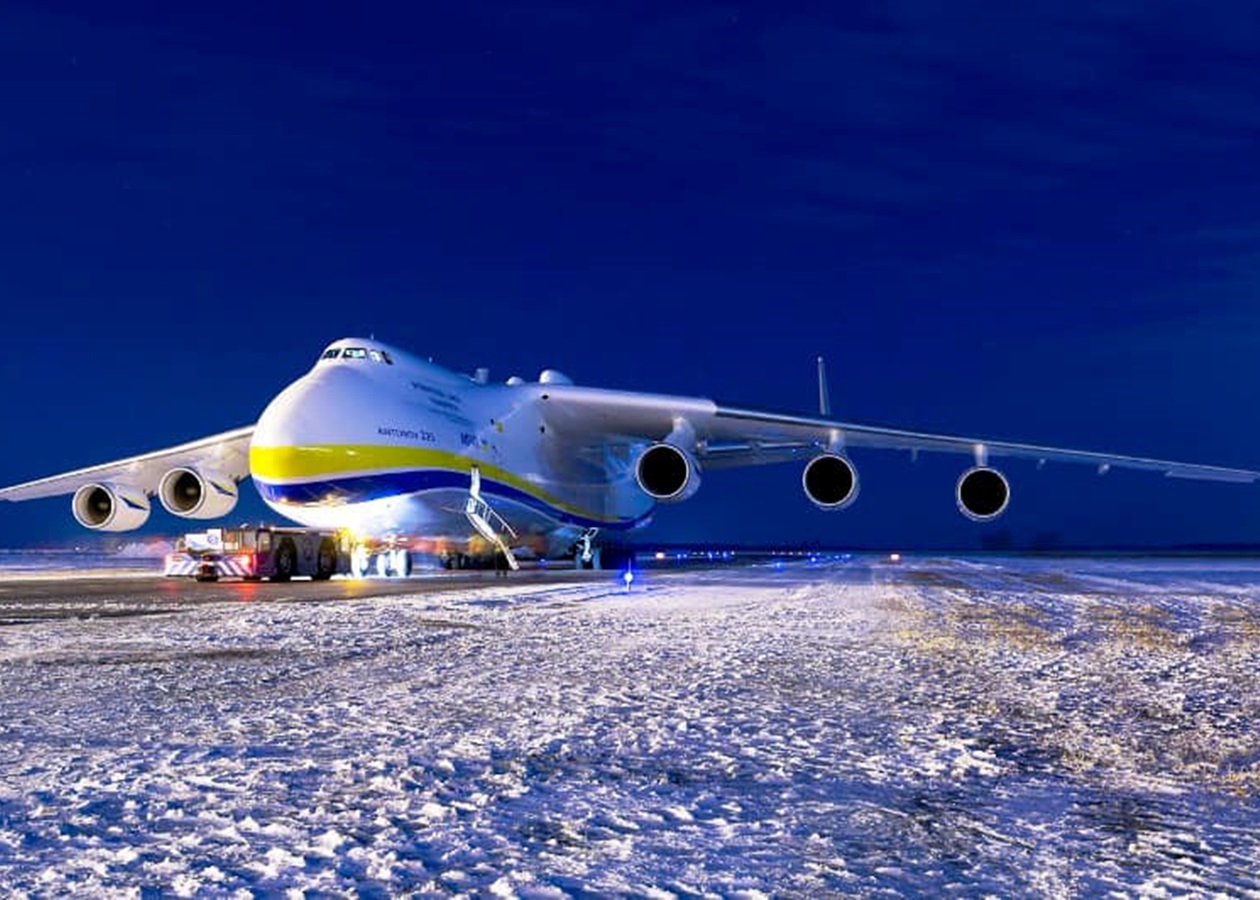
[(588, 555)]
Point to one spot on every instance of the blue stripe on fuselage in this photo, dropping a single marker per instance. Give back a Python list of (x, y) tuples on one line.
[(378, 486)]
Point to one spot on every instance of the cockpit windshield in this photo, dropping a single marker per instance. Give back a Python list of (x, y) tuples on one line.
[(365, 353)]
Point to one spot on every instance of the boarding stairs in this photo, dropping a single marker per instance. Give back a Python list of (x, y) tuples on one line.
[(488, 523)]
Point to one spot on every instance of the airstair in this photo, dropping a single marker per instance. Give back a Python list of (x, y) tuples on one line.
[(488, 523)]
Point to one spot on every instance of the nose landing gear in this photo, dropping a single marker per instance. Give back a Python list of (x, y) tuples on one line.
[(387, 562)]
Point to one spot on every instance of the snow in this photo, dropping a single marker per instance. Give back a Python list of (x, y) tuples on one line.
[(936, 726)]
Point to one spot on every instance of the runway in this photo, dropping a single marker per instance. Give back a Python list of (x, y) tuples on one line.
[(1054, 727), (103, 594)]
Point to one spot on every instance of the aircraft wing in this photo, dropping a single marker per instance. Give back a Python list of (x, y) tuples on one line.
[(226, 453), (729, 436)]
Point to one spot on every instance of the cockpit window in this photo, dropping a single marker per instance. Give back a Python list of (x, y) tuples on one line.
[(379, 356)]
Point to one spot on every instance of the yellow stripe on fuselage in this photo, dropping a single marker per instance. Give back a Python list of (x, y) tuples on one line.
[(327, 460), (296, 464)]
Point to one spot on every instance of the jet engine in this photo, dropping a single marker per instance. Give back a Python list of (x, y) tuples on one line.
[(667, 474), (982, 493), (830, 481), (110, 507), (197, 494)]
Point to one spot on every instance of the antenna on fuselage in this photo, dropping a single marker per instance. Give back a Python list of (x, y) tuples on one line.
[(824, 398)]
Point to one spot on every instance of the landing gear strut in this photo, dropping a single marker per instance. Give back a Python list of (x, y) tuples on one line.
[(587, 552)]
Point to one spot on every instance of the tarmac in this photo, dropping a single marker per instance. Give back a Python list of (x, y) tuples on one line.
[(86, 595)]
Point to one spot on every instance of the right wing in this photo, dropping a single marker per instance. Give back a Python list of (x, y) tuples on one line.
[(226, 454), (728, 437)]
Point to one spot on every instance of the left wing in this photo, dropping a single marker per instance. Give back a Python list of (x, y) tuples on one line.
[(724, 436), (226, 454)]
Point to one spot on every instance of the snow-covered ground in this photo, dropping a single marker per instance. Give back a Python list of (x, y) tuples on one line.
[(943, 726)]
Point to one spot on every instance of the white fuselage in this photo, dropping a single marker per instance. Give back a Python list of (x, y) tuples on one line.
[(384, 443)]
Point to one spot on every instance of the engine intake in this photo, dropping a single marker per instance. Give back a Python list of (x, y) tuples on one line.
[(110, 507), (982, 493), (667, 474), (830, 481), (193, 494)]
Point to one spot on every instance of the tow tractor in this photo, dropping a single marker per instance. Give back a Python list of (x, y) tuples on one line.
[(264, 551)]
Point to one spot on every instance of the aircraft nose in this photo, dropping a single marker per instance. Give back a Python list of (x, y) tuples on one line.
[(320, 409)]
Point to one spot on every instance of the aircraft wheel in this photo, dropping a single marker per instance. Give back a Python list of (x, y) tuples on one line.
[(383, 567), (360, 562), (401, 563)]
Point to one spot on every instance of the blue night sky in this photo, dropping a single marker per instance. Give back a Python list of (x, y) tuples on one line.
[(1019, 221)]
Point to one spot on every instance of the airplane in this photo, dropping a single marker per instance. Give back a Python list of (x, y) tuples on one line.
[(393, 447)]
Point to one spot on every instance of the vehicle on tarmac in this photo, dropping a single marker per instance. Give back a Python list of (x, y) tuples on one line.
[(257, 552)]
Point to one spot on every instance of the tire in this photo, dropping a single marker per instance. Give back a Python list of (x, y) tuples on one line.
[(360, 562), (401, 564), (286, 561), (325, 560), (384, 565)]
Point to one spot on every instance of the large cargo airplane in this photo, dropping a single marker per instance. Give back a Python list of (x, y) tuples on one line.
[(395, 448)]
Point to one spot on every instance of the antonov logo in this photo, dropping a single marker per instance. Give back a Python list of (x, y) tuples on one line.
[(408, 434)]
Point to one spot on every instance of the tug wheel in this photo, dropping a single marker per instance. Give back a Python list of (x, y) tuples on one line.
[(325, 560), (286, 561)]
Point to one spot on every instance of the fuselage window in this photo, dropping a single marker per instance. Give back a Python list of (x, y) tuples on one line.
[(332, 354), (375, 354), (385, 356), (355, 353)]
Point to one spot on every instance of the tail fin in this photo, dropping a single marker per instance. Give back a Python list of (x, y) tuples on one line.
[(824, 399)]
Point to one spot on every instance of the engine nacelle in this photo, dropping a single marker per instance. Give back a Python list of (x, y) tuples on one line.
[(197, 494), (667, 474), (982, 494), (830, 481), (110, 507)]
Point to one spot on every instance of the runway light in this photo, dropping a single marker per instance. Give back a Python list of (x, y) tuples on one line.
[(660, 554), (628, 578), (894, 557)]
